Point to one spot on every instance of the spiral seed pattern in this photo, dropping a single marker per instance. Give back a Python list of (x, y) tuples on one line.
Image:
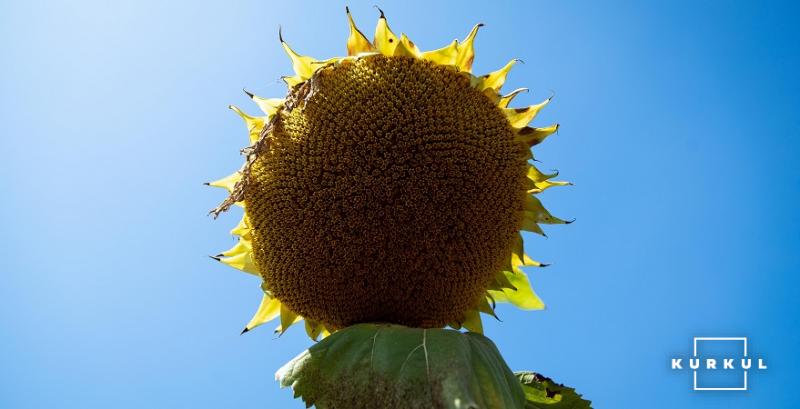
[(391, 192)]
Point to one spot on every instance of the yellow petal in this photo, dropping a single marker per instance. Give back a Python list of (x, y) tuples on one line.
[(241, 247), (495, 80), (356, 42), (466, 50), (288, 318), (520, 117), (410, 45), (267, 105), (536, 211), (501, 281), (445, 56), (405, 48), (535, 136), (269, 309), (529, 262), (542, 186), (537, 176), (529, 224), (519, 258), (228, 182), (518, 261), (485, 307), (240, 261), (255, 124), (291, 82), (302, 65), (385, 40), (324, 333), (313, 329), (523, 297), (243, 228), (472, 321)]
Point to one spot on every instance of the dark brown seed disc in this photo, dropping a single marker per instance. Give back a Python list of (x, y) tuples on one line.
[(391, 192)]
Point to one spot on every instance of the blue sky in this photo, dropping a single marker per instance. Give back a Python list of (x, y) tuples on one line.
[(679, 129)]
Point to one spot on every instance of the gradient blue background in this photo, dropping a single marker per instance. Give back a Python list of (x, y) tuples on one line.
[(679, 129)]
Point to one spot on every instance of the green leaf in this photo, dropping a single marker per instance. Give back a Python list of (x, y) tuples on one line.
[(391, 366), (542, 393)]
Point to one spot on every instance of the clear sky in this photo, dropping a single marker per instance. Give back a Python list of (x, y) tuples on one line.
[(679, 129)]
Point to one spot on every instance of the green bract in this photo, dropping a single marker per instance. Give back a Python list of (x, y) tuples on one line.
[(391, 366)]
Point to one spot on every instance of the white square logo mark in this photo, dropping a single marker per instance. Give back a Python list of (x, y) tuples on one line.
[(744, 346)]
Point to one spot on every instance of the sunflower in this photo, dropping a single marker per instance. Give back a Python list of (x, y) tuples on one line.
[(390, 185)]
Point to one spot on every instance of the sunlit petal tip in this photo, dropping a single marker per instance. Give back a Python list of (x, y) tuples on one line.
[(269, 106), (288, 318), (534, 136), (495, 80), (383, 16), (529, 262), (268, 310), (466, 50), (236, 109), (255, 124), (245, 116), (242, 261), (535, 211), (228, 182), (302, 65), (521, 117), (385, 40), (357, 42), (538, 176)]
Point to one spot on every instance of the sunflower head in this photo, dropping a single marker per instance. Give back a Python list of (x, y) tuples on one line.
[(390, 185)]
